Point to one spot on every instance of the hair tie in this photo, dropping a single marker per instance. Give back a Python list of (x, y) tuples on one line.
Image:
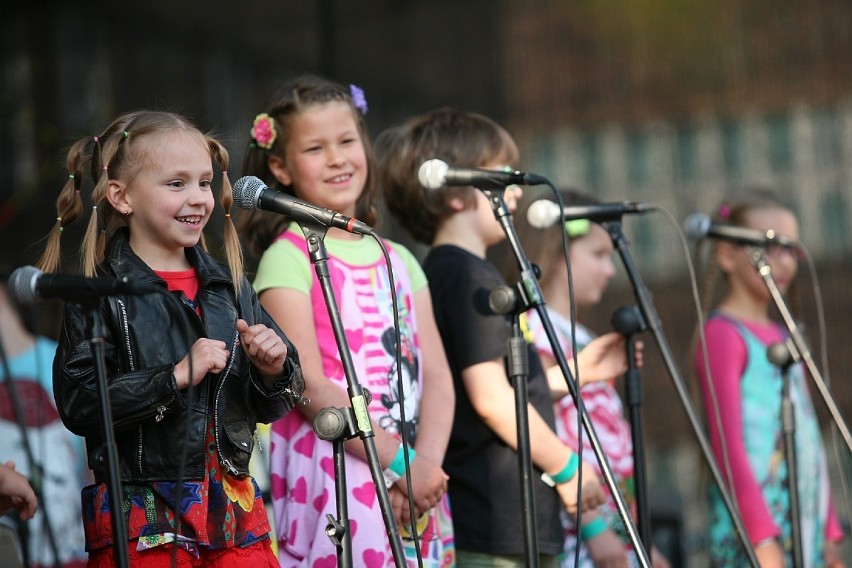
[(94, 207), (724, 211), (126, 135), (227, 215), (96, 139), (59, 219), (70, 176)]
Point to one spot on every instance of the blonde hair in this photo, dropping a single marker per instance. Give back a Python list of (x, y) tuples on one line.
[(115, 153)]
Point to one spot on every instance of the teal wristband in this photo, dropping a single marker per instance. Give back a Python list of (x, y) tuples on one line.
[(593, 528), (398, 464), (569, 471)]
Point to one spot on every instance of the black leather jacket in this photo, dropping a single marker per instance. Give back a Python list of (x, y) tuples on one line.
[(144, 337)]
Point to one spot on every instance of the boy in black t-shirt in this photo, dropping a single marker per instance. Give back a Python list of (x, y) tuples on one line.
[(482, 462)]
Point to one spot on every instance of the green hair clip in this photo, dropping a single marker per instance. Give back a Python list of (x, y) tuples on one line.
[(577, 227)]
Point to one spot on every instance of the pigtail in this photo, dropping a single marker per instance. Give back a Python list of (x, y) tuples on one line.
[(69, 205), (233, 249)]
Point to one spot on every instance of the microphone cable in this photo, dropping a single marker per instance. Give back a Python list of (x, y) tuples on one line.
[(401, 389), (823, 343)]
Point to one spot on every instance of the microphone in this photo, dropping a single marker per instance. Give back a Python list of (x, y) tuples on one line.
[(543, 213), (251, 193), (699, 226), (434, 174), (28, 285)]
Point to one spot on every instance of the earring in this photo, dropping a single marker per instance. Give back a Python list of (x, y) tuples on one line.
[(126, 212)]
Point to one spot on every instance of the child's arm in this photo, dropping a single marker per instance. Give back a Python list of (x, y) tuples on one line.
[(493, 398), (292, 309), (728, 356), (603, 359), (437, 407)]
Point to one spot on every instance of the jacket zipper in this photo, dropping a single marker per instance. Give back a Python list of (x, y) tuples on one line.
[(161, 410), (226, 463)]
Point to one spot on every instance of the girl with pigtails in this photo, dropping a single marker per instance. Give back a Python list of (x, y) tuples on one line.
[(183, 453)]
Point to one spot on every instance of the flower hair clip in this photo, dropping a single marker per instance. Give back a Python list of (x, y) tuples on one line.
[(358, 98), (263, 131)]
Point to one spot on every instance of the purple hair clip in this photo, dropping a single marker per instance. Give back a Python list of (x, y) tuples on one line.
[(724, 211), (358, 98)]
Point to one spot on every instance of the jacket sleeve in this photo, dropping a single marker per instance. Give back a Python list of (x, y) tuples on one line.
[(270, 405), (133, 396)]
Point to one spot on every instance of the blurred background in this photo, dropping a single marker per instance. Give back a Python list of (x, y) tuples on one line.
[(675, 102)]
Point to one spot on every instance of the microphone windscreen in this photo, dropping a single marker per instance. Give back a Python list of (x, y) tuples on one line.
[(246, 191), (432, 174), (22, 285), (542, 214), (696, 226)]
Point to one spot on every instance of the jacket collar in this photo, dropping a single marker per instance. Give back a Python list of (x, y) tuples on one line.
[(125, 263)]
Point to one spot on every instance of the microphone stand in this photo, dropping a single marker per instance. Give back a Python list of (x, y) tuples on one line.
[(35, 468), (628, 321), (96, 339), (763, 269), (643, 298), (533, 297), (503, 300), (314, 235), (782, 357)]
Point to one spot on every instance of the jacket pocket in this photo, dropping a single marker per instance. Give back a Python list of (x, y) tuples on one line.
[(240, 433)]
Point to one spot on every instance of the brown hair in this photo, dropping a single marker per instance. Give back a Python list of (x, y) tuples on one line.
[(462, 139), (260, 228), (116, 153), (733, 212)]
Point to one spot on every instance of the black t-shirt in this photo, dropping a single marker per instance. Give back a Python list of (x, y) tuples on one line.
[(485, 484)]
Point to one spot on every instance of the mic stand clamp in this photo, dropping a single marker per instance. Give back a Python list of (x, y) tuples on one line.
[(531, 292), (652, 320), (628, 322), (314, 235), (504, 300), (804, 353), (337, 425), (96, 339), (783, 358)]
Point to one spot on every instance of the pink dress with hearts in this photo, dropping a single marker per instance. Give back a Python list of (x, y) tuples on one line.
[(302, 472)]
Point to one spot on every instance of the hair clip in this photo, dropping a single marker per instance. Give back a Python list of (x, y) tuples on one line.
[(724, 211), (263, 131), (577, 227), (358, 98)]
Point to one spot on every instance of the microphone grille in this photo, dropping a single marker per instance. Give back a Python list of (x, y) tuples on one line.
[(542, 214), (246, 191), (22, 285), (696, 226), (433, 174)]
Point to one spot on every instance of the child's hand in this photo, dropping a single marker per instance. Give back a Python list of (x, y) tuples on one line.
[(208, 356), (264, 347), (428, 482), (605, 358), (591, 497), (15, 491), (606, 549)]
